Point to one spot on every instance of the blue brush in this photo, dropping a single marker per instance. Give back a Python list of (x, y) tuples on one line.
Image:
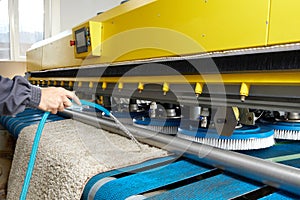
[(245, 138), (284, 130), (127, 117), (163, 125)]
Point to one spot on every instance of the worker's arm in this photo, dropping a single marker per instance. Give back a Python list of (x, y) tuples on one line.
[(17, 93)]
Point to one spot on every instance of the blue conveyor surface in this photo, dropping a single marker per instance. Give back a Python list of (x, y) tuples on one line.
[(216, 186), (30, 116), (170, 177)]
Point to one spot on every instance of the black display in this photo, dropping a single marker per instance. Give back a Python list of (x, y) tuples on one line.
[(81, 41)]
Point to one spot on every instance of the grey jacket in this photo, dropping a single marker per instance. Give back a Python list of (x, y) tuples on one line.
[(16, 94)]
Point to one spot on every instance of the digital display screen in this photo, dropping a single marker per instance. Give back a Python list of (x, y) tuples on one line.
[(81, 41)]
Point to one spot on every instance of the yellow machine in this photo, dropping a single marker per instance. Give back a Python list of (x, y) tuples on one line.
[(147, 29), (142, 29), (222, 73), (234, 48)]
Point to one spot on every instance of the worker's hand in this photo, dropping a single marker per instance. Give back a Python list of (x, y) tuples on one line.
[(54, 99)]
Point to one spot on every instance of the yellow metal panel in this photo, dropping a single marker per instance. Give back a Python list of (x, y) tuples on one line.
[(122, 9), (34, 59), (284, 21), (141, 29), (165, 28), (246, 79), (213, 25), (59, 53), (93, 35)]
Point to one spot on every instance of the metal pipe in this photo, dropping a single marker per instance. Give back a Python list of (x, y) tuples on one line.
[(274, 174)]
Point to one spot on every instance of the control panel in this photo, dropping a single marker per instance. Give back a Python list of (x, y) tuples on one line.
[(87, 39)]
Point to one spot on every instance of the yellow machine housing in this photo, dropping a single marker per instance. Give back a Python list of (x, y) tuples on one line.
[(145, 30), (142, 29)]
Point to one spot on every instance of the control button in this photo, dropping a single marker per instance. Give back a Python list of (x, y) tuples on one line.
[(88, 42), (72, 42), (87, 32)]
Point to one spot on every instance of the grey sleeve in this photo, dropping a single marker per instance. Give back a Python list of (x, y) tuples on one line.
[(16, 94)]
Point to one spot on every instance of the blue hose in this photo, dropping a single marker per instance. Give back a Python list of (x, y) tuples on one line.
[(35, 145), (33, 156)]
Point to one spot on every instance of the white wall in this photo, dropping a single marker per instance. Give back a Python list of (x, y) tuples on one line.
[(74, 12), (10, 68)]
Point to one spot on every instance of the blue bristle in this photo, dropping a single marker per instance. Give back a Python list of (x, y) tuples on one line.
[(284, 130), (279, 125), (246, 132), (163, 125), (146, 121), (129, 114), (245, 138)]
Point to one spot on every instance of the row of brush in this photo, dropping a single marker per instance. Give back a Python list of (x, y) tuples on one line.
[(262, 131)]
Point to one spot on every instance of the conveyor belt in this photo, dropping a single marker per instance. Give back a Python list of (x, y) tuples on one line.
[(187, 179), (280, 195), (30, 116), (175, 178), (182, 171), (222, 186)]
